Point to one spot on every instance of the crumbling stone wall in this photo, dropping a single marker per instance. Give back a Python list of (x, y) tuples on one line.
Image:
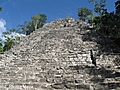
[(57, 56)]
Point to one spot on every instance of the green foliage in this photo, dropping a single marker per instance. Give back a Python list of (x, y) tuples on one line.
[(107, 23), (10, 31), (84, 13), (1, 46), (108, 26), (110, 22), (117, 7), (24, 28), (10, 39), (8, 44), (18, 38), (36, 22), (67, 17), (5, 33), (95, 22), (99, 7), (0, 8)]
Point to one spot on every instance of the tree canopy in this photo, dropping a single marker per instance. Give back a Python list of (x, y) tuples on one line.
[(108, 23), (36, 22), (98, 6), (8, 44), (0, 8), (84, 13)]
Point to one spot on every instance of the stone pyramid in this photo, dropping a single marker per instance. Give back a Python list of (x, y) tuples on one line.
[(57, 57)]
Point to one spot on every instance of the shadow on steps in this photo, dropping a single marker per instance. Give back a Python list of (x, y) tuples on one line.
[(102, 78)]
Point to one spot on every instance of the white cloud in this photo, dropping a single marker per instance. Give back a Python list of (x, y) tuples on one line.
[(14, 35), (2, 27)]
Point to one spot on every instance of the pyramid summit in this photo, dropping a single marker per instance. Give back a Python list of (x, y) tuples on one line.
[(57, 57)]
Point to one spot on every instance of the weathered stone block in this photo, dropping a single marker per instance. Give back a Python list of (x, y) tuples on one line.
[(58, 86)]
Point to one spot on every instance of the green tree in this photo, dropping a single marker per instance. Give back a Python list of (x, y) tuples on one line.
[(95, 21), (98, 6), (11, 39), (8, 44), (10, 31), (117, 7), (1, 46), (110, 22), (26, 28), (22, 28), (36, 22), (0, 8), (84, 13)]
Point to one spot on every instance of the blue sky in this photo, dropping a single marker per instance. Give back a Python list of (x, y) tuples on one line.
[(15, 12)]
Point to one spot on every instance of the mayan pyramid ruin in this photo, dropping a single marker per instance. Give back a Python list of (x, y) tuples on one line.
[(57, 57)]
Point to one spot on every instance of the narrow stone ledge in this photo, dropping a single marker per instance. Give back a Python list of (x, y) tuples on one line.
[(78, 86), (58, 86)]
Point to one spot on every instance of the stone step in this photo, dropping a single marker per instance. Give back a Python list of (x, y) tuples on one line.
[(112, 85), (71, 86), (21, 86)]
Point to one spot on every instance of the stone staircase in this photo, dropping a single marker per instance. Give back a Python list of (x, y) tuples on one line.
[(57, 57)]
